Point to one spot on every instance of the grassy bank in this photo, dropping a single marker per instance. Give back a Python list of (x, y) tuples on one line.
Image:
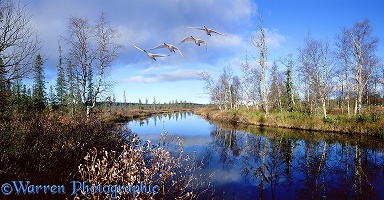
[(127, 115), (369, 124)]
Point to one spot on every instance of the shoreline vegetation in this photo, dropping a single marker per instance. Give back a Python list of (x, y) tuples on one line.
[(131, 114), (55, 147), (371, 124)]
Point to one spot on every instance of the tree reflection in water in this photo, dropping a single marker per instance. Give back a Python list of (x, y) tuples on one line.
[(281, 164)]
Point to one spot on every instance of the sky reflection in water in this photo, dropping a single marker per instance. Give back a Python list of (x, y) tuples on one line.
[(275, 163)]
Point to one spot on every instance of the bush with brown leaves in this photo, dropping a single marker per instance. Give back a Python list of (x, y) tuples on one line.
[(162, 164)]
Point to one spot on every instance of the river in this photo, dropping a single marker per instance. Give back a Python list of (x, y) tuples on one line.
[(266, 163)]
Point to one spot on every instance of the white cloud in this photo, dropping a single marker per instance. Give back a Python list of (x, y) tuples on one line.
[(180, 74), (274, 38)]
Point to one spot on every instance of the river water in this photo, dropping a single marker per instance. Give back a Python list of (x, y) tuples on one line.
[(266, 163)]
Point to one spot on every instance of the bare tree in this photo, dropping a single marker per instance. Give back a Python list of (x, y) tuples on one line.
[(255, 88), (19, 42), (305, 70), (276, 88), (91, 49), (343, 53), (246, 82), (324, 74), (364, 49), (80, 52), (211, 88), (224, 85), (259, 42), (236, 92), (106, 53), (317, 59)]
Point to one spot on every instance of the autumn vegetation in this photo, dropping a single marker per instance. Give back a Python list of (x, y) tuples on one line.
[(325, 86), (68, 131)]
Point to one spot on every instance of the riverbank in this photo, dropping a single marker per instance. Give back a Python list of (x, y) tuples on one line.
[(127, 115), (370, 125)]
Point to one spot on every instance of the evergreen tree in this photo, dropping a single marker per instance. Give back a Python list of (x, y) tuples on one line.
[(289, 90), (39, 84), (3, 89), (52, 98), (25, 99), (2, 77), (61, 84), (140, 104)]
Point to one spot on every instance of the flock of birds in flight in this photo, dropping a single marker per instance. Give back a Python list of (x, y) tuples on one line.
[(172, 48)]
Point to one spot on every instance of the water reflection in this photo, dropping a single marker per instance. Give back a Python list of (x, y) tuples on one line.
[(262, 163), (281, 167)]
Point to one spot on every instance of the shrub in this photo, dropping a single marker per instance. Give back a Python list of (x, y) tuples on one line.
[(49, 146), (163, 165)]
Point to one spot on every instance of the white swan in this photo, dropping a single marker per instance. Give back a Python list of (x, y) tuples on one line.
[(207, 30), (150, 55), (197, 41), (169, 46)]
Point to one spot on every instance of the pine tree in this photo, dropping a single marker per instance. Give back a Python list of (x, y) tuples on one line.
[(3, 89), (52, 98), (61, 84), (289, 90), (38, 94), (140, 105)]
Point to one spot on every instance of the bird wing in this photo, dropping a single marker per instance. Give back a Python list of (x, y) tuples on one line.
[(159, 55), (186, 39), (200, 28), (138, 48), (159, 46), (178, 50), (217, 32)]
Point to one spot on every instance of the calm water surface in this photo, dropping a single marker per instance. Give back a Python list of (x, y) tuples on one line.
[(255, 163)]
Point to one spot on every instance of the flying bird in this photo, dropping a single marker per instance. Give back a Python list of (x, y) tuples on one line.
[(169, 46), (207, 30), (150, 55), (197, 41)]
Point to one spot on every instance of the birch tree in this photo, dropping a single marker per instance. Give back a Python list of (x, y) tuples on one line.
[(211, 89), (343, 45), (364, 47), (92, 49), (276, 88), (245, 68), (106, 52), (259, 42), (317, 60), (305, 71), (80, 52)]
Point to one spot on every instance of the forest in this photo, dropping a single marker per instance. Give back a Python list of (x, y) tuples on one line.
[(340, 80)]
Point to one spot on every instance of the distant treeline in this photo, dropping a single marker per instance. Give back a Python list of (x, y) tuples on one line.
[(343, 76)]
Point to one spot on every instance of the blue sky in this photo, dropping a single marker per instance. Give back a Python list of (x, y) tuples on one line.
[(149, 23)]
